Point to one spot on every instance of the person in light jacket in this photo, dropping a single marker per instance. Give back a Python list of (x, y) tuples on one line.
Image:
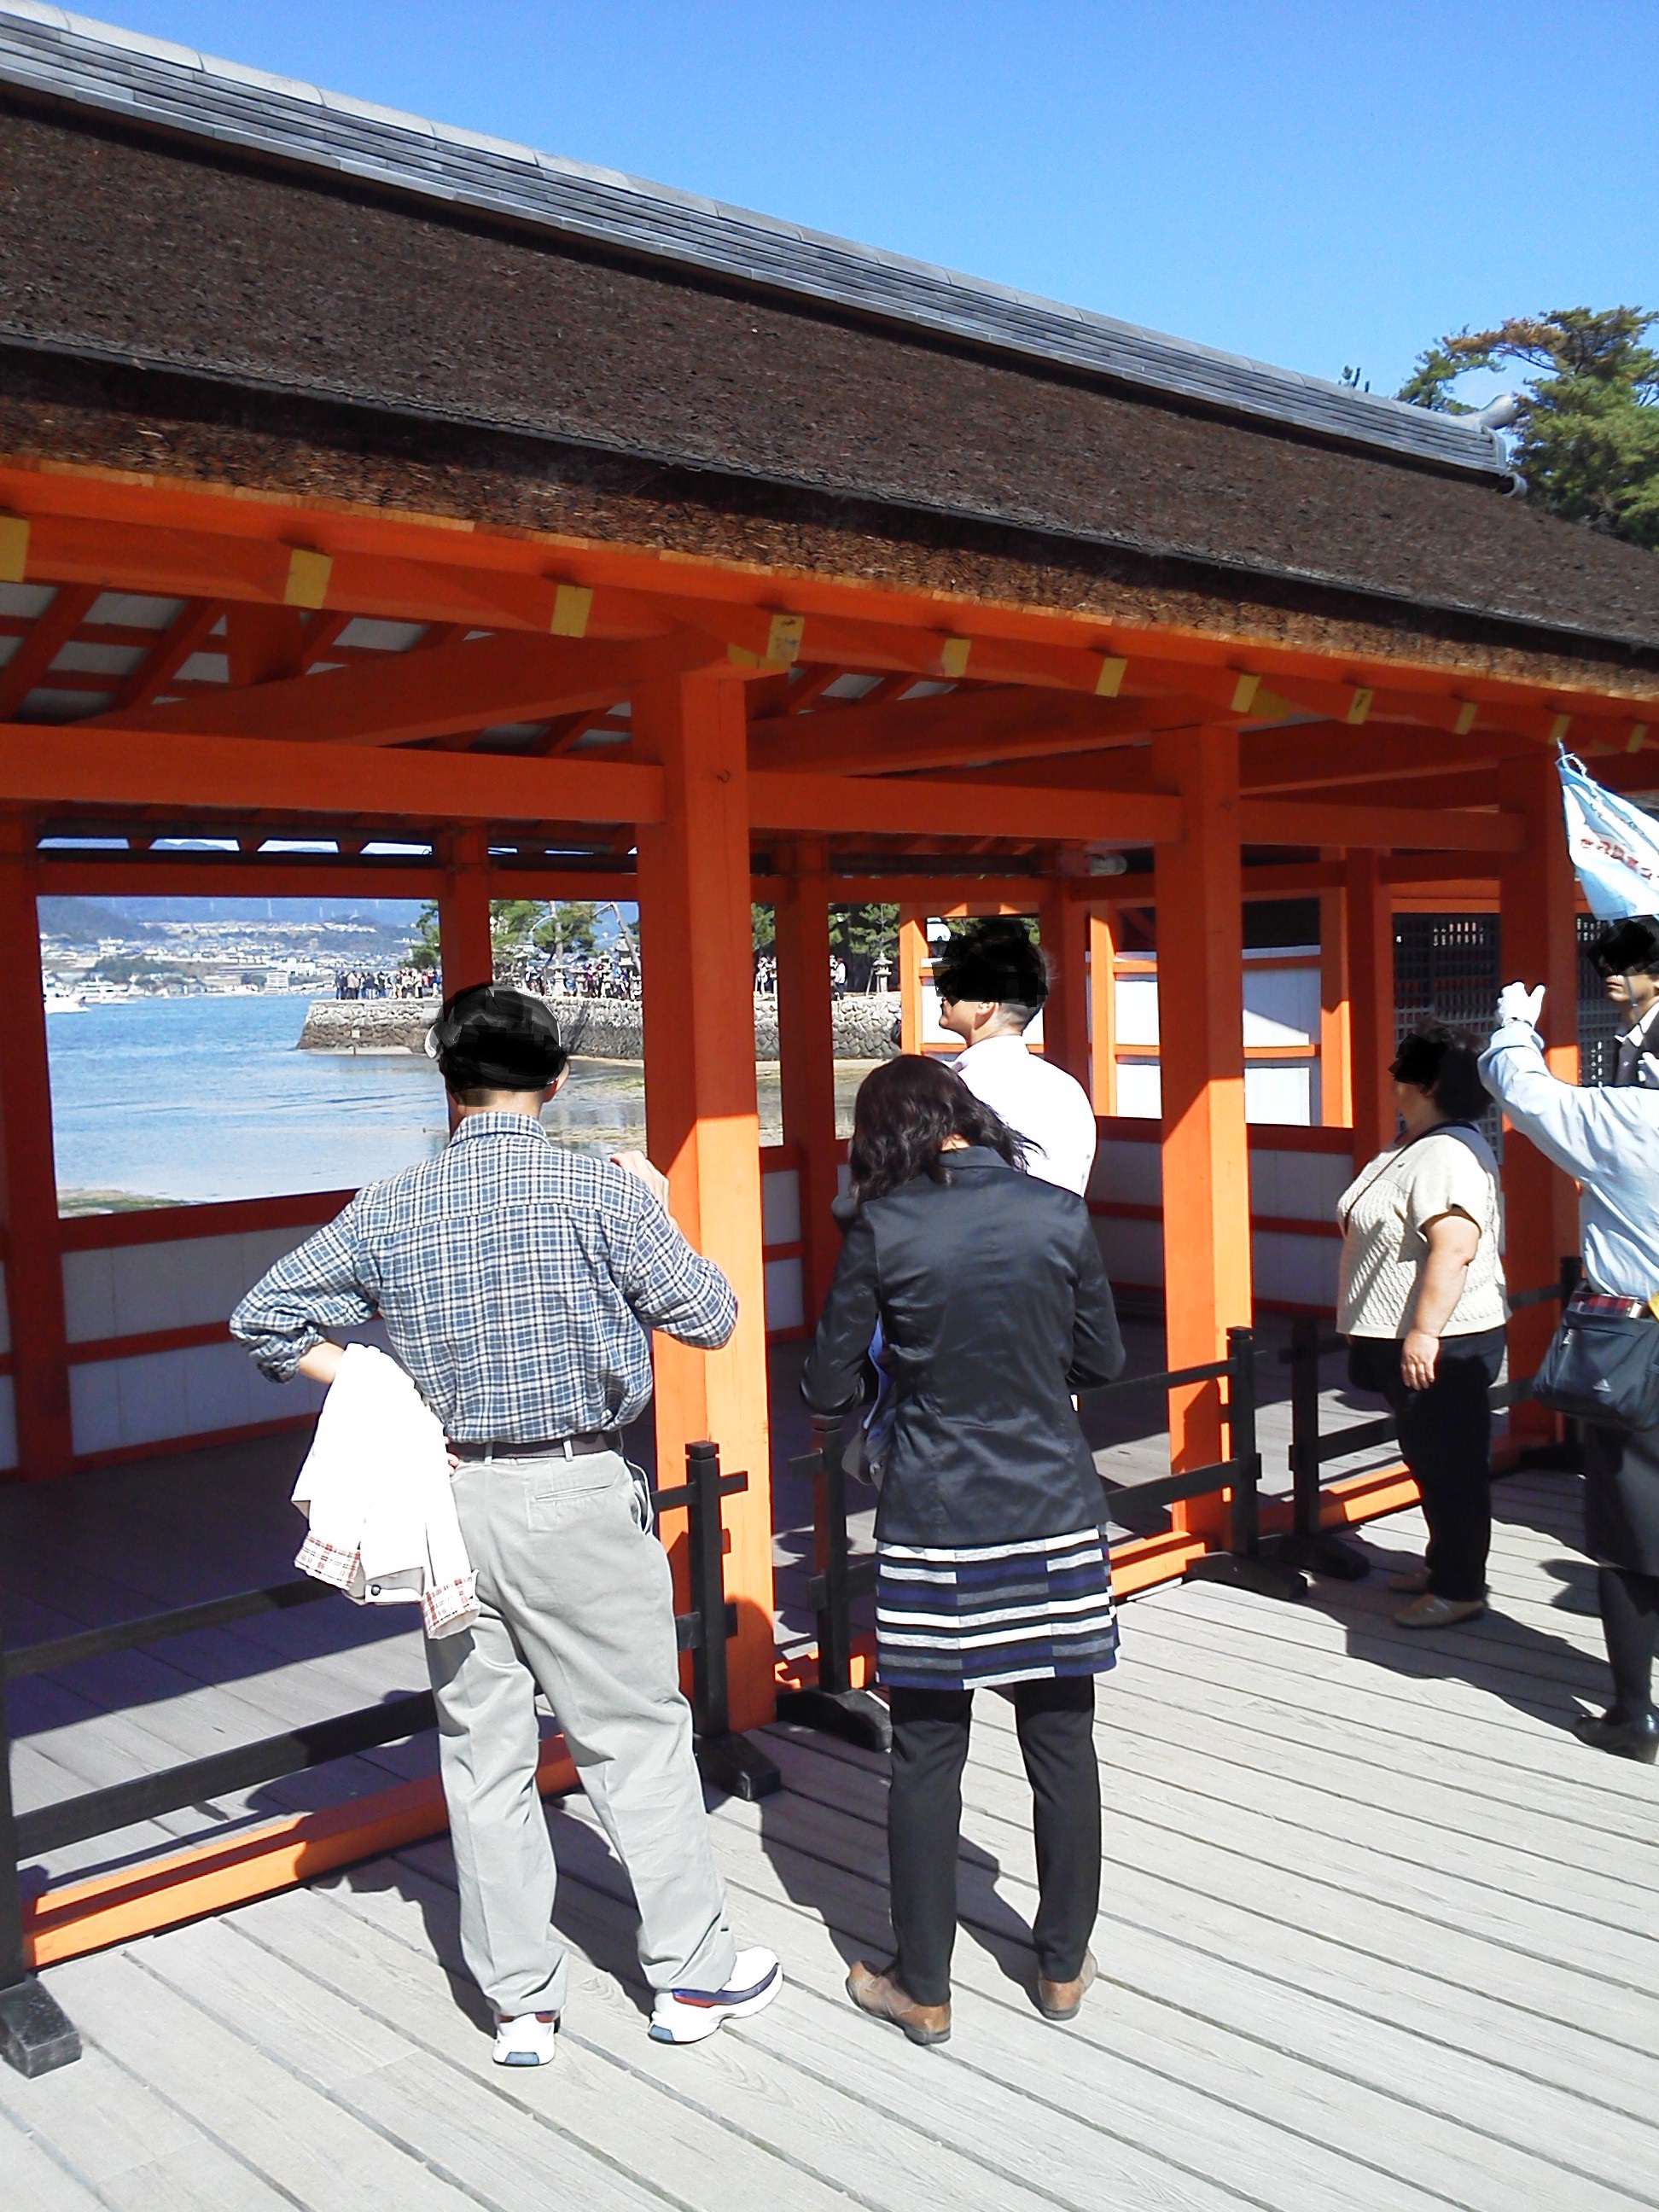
[(1608, 1139), (991, 1568)]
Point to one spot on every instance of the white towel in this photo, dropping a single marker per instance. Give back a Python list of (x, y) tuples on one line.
[(375, 1486)]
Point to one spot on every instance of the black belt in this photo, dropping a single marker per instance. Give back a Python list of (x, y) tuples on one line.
[(596, 1440)]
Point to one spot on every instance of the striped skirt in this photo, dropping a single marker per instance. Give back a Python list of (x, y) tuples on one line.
[(980, 1615)]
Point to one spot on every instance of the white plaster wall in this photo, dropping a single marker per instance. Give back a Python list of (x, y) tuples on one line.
[(785, 1304), (131, 1289), (781, 1206), (158, 1395), (1294, 1270), (1298, 1185)]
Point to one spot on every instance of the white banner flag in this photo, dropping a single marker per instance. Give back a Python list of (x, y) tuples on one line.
[(1614, 845)]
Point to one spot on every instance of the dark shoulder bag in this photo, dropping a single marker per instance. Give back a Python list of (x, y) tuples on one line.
[(1603, 1368)]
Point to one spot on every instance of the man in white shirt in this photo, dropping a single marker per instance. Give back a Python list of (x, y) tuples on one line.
[(991, 982), (1627, 954)]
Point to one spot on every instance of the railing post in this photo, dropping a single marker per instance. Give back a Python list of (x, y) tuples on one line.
[(727, 1762), (1244, 1565), (1307, 1546), (710, 1705), (832, 1704), (35, 2033)]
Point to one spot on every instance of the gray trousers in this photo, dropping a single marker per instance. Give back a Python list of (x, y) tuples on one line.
[(574, 1596)]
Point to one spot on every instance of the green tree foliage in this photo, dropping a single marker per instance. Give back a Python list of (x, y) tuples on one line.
[(423, 945), (1587, 442), (862, 935)]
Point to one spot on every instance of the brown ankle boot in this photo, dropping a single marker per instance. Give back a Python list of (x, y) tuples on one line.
[(1064, 2000), (875, 1991)]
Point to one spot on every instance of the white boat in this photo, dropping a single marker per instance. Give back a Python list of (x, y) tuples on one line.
[(62, 1002)]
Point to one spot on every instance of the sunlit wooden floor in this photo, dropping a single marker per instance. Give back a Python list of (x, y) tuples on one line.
[(1376, 1933)]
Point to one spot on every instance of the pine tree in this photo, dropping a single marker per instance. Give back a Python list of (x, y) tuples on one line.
[(1587, 443)]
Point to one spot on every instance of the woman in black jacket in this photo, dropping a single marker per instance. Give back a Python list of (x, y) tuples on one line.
[(991, 1570)]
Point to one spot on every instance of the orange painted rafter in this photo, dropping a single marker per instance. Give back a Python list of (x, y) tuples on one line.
[(29, 665), (402, 697), (508, 577), (189, 630)]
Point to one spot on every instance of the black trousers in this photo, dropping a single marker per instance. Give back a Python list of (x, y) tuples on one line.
[(1055, 1721), (1445, 1439)]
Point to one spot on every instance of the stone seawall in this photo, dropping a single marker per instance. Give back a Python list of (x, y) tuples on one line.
[(602, 1029)]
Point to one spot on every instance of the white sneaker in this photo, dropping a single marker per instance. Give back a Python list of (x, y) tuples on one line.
[(527, 2040), (689, 2015)]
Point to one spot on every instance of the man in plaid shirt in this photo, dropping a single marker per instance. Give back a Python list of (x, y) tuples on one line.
[(518, 1283)]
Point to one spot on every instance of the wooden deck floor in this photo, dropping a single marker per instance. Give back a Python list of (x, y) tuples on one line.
[(1377, 1934)]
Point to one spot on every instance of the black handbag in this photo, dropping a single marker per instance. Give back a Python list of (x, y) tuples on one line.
[(1602, 1367)]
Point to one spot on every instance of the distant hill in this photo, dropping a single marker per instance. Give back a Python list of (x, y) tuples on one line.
[(86, 921), (395, 916)]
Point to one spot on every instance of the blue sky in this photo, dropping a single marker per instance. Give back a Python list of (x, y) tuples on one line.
[(1316, 185)]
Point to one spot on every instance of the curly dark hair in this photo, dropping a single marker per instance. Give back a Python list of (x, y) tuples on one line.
[(1445, 1063), (905, 1112)]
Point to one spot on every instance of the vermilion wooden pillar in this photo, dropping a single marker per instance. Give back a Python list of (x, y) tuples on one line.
[(463, 914), (28, 1177), (703, 1128), (1200, 992), (1369, 929), (1335, 1026), (1103, 1008), (912, 957), (1537, 930), (1063, 932), (806, 1065)]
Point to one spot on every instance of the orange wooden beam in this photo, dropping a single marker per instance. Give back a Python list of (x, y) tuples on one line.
[(1276, 822), (28, 1179), (703, 1120), (194, 774), (806, 1066), (1200, 986), (817, 803), (1003, 723)]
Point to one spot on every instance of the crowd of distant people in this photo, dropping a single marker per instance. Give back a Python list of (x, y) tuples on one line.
[(406, 981), (584, 975)]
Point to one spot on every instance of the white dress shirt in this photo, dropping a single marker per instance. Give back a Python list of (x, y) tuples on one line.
[(1043, 1104), (1607, 1137), (1634, 1064)]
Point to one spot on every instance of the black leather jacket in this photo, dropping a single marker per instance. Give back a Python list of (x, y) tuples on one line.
[(995, 1306)]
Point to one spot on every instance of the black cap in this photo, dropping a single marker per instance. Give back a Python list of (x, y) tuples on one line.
[(993, 961), (1628, 947), (490, 1038)]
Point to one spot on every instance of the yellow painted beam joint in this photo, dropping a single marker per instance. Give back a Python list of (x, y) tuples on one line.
[(784, 634), (1638, 738), (1359, 705), (1244, 693), (1558, 729), (1465, 722), (14, 548), (309, 573), (1109, 682), (572, 605), (953, 656)]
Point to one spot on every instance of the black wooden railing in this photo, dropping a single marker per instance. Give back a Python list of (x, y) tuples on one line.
[(1312, 1449), (834, 1705), (35, 2036)]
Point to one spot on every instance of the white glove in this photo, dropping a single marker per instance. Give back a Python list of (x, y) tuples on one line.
[(1515, 1003)]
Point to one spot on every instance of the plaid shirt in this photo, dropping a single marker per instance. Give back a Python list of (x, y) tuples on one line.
[(518, 1283)]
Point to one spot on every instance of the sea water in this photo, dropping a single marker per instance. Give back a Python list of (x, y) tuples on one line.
[(162, 1100)]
